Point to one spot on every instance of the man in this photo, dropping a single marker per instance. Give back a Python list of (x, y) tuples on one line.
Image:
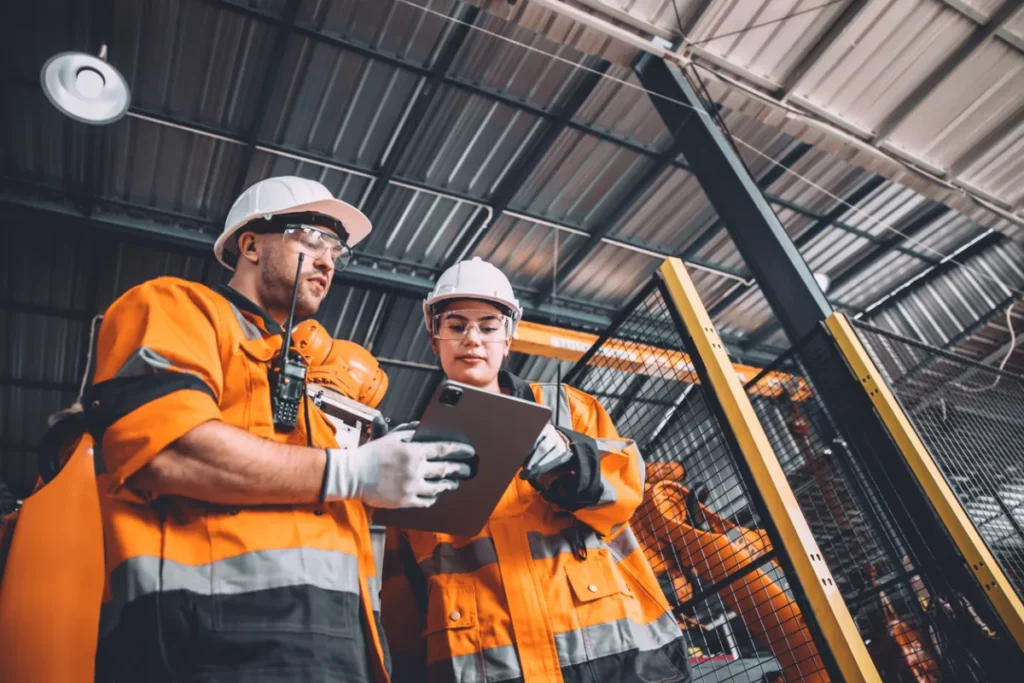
[(555, 587), (237, 546)]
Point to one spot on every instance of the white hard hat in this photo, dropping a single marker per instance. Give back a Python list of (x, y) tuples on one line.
[(288, 194), (474, 279)]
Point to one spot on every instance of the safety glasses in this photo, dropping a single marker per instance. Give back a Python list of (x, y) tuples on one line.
[(314, 242), (454, 325)]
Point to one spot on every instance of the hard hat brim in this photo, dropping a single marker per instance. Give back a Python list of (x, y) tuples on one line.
[(516, 310), (355, 221)]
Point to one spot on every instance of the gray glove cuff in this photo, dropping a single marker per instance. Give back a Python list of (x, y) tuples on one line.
[(325, 479), (336, 485)]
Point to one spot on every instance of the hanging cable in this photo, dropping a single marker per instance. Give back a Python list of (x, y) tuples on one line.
[(1002, 363), (910, 239), (752, 26), (93, 325)]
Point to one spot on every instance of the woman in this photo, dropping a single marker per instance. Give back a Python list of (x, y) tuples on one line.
[(555, 587)]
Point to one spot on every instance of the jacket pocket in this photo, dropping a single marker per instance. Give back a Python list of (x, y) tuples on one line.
[(287, 609), (610, 621), (596, 578), (452, 628), (451, 606), (254, 373)]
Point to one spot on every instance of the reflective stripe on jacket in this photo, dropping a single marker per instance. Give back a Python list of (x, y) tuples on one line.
[(196, 590), (541, 594)]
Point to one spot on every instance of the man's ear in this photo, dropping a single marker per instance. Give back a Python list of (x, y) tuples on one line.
[(433, 345), (248, 247)]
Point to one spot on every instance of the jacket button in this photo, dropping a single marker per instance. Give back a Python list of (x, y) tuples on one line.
[(592, 588), (318, 512), (455, 616), (233, 512)]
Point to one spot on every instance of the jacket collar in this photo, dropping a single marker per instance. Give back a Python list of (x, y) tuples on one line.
[(517, 387), (251, 310)]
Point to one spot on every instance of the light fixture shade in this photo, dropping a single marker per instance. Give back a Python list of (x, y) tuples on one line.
[(824, 281), (85, 87)]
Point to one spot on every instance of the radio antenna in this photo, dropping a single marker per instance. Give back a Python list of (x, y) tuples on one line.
[(286, 346), (558, 362)]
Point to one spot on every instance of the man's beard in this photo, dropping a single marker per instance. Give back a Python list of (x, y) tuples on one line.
[(277, 281)]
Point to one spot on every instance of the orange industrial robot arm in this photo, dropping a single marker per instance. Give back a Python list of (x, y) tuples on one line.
[(720, 553), (341, 365)]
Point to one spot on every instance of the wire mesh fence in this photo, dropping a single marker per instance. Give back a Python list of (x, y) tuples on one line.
[(876, 542), (970, 417), (703, 524)]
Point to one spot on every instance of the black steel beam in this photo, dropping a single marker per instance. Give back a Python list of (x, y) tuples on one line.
[(779, 168), (832, 217), (920, 221), (11, 306), (374, 272), (41, 384), (252, 133), (17, 447), (450, 44), (935, 272), (635, 245), (953, 60), (823, 222), (932, 212), (418, 69), (963, 8), (841, 22), (699, 7), (390, 300), (766, 181), (628, 396), (728, 300), (951, 344), (231, 136), (622, 208), (368, 271), (983, 320), (528, 161), (784, 277)]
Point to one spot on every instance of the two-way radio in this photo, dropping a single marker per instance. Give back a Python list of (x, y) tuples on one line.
[(288, 373)]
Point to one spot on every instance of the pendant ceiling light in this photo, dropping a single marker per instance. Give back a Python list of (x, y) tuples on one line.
[(824, 281), (85, 87)]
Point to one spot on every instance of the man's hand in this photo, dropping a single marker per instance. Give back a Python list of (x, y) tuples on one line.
[(394, 472)]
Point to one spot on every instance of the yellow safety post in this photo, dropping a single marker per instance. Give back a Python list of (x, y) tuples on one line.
[(826, 602), (991, 577)]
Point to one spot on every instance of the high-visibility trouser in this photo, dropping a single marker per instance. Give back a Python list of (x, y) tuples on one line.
[(267, 615)]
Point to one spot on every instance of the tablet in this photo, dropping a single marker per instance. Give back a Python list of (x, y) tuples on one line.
[(501, 428)]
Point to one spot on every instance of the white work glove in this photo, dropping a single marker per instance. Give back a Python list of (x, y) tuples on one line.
[(550, 451), (394, 472)]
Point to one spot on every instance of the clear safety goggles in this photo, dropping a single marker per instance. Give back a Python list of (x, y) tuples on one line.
[(315, 242), (489, 328)]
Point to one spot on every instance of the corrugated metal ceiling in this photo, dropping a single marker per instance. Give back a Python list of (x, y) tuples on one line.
[(954, 68), (350, 77)]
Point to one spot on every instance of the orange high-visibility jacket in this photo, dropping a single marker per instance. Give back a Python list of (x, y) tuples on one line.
[(269, 593), (541, 594)]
